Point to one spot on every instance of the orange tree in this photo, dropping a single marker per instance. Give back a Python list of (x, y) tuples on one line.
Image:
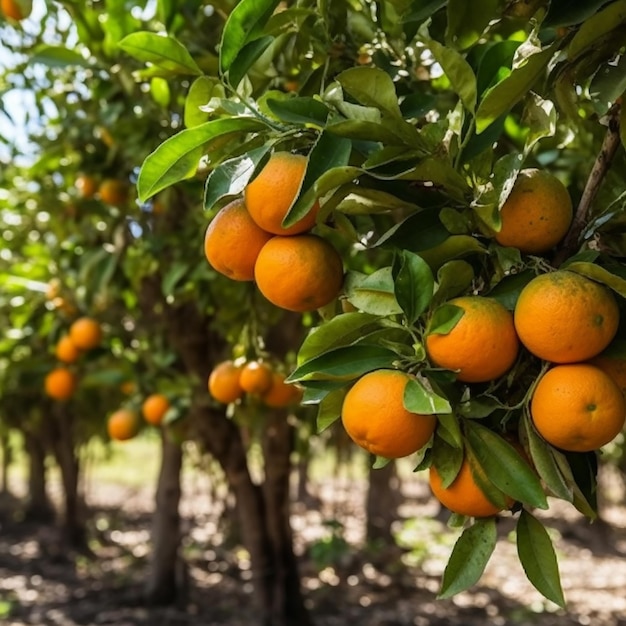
[(420, 121)]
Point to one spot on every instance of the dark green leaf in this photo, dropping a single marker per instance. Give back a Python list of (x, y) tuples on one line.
[(246, 58), (599, 274), (413, 284), (163, 51), (449, 430), (469, 557), (329, 410), (344, 363), (504, 466), (301, 110), (453, 279), (537, 556), (177, 158), (447, 458), (341, 330), (371, 87), (468, 20), (421, 398), (568, 13), (244, 24), (507, 291), (58, 56), (453, 247), (596, 27), (444, 319), (419, 231)]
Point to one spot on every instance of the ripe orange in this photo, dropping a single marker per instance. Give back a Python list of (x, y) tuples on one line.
[(233, 241), (224, 384), (86, 186), (463, 496), (60, 384), (483, 344), (374, 416), (280, 393), (537, 214), (86, 333), (66, 350), (16, 9), (270, 195), (123, 424), (614, 366), (113, 192), (300, 273), (154, 408), (256, 377), (577, 407), (564, 317)]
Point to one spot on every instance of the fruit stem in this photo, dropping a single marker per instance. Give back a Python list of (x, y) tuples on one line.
[(598, 171)]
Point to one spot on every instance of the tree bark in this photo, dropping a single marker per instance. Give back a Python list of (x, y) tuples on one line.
[(166, 583), (39, 508)]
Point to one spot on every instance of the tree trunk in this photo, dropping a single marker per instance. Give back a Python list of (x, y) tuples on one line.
[(5, 447), (165, 582), (73, 524), (383, 499), (287, 605), (39, 507)]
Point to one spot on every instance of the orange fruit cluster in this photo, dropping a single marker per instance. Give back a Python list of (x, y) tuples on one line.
[(246, 241), (229, 381), (84, 334)]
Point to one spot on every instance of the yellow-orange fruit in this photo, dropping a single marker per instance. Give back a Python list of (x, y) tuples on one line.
[(281, 394), (86, 333), (223, 383), (256, 377), (154, 408), (60, 384), (482, 345), (270, 195), (123, 424), (577, 407), (375, 418), (66, 350), (564, 317)]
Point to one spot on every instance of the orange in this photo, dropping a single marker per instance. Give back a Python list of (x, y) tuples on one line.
[(86, 333), (537, 214), (280, 393), (154, 408), (300, 273), (123, 424), (233, 241), (128, 387), (577, 407), (86, 186), (16, 9), (375, 418), (256, 377), (613, 366), (270, 195), (564, 317), (482, 345), (463, 496), (113, 192), (60, 384), (224, 384), (66, 350)]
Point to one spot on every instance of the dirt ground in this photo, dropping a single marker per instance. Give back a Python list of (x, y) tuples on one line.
[(41, 586)]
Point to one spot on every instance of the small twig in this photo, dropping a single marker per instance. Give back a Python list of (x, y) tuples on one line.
[(598, 172)]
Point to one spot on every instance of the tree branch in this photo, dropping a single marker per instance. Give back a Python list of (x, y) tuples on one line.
[(600, 168)]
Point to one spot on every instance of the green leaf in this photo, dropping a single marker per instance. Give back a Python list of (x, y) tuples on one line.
[(452, 247), (537, 556), (341, 330), (449, 430), (300, 110), (344, 363), (327, 157), (507, 291), (504, 466), (230, 178), (244, 24), (568, 13), (458, 71), (544, 459), (177, 158), (163, 51), (371, 87), (421, 398), (468, 20), (502, 97), (160, 91), (540, 119), (599, 274), (444, 319), (469, 557), (246, 58), (174, 275), (419, 231), (413, 284), (595, 28), (366, 131), (372, 294), (201, 91), (447, 458), (329, 410), (608, 84), (57, 56), (453, 279)]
